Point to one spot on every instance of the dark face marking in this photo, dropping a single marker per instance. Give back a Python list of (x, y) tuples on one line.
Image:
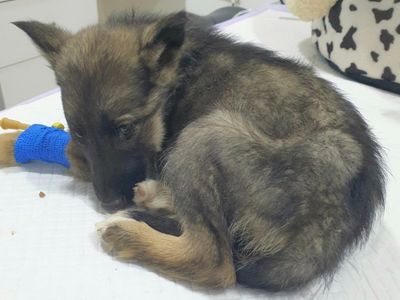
[(115, 157), (334, 16), (105, 92), (352, 7), (398, 28), (348, 41), (396, 1), (381, 15), (388, 75), (114, 174), (112, 80), (374, 56), (317, 32), (329, 48), (354, 70), (386, 38), (374, 0)]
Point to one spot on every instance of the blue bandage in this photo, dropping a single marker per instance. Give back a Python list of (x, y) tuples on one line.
[(44, 143)]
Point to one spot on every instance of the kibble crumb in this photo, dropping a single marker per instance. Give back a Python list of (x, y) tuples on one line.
[(12, 232), (42, 195)]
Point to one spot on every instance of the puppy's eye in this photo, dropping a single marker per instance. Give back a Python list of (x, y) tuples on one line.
[(125, 130)]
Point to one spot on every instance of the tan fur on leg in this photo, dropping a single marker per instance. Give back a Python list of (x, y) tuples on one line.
[(7, 143), (193, 256)]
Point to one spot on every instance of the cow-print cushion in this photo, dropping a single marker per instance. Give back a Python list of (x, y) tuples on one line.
[(361, 38)]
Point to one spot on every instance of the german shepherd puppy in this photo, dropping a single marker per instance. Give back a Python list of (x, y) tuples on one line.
[(261, 172)]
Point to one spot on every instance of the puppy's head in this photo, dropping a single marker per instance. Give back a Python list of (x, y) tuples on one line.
[(114, 80)]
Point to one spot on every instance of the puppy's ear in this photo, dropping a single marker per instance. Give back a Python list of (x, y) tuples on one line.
[(161, 41), (49, 38)]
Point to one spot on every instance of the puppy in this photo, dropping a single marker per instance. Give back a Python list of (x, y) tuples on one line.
[(263, 173)]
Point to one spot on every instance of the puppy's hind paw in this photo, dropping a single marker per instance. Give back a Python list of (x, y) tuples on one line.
[(117, 236)]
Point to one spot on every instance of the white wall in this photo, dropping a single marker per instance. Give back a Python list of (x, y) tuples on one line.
[(2, 105), (23, 73), (25, 80)]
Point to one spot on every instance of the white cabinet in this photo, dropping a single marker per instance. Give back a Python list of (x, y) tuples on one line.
[(23, 72)]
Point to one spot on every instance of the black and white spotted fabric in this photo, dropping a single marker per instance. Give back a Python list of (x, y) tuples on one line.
[(362, 39)]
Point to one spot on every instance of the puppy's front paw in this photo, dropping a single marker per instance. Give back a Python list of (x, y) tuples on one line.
[(145, 193), (153, 195), (7, 143), (117, 235)]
